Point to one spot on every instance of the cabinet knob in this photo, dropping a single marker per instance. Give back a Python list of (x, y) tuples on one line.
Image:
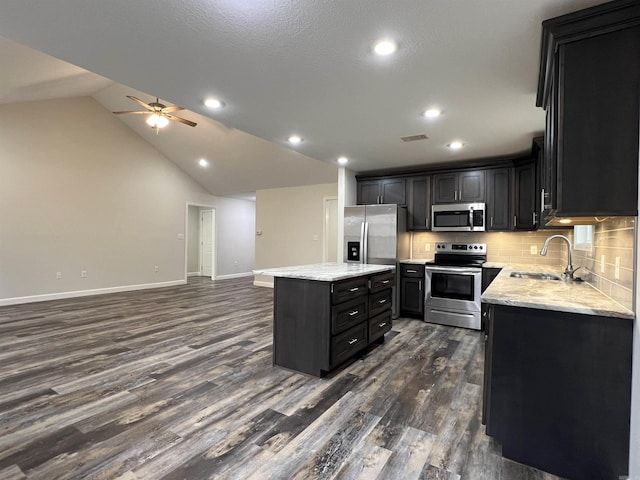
[(352, 341)]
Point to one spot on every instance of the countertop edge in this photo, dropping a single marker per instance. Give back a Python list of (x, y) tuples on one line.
[(325, 272)]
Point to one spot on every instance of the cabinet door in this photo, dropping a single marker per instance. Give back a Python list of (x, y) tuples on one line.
[(411, 296), (445, 188), (526, 216), (499, 199), (369, 192), (393, 190), (419, 205), (471, 186), (599, 101)]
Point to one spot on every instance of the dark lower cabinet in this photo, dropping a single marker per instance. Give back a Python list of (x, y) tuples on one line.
[(319, 325), (488, 275), (557, 390), (412, 290)]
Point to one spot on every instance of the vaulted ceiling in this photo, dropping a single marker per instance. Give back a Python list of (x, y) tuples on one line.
[(294, 67)]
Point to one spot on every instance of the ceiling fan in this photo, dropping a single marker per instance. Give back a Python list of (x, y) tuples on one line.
[(159, 114)]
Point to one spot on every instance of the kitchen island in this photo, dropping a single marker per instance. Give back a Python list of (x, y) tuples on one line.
[(324, 314), (557, 384)]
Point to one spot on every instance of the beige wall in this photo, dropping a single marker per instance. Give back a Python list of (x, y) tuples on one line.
[(80, 191), (291, 221)]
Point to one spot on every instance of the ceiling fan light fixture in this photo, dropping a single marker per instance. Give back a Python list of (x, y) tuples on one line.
[(157, 121)]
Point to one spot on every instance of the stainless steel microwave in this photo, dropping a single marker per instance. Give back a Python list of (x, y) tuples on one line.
[(458, 217)]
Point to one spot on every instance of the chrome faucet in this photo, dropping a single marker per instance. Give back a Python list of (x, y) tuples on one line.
[(569, 270)]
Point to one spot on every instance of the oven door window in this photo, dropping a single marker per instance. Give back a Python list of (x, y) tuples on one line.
[(452, 285)]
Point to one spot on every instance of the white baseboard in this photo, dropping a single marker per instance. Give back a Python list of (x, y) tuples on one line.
[(193, 274), (233, 275), (259, 283), (86, 293)]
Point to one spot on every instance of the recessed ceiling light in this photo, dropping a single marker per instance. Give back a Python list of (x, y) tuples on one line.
[(455, 145), (385, 47), (202, 162), (343, 160), (294, 139), (213, 103), (431, 113)]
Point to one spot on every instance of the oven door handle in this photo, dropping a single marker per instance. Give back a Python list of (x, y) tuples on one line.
[(455, 271)]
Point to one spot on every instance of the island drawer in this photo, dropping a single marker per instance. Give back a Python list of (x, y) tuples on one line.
[(379, 325), (379, 302), (411, 270), (381, 282), (348, 343), (347, 314), (343, 291)]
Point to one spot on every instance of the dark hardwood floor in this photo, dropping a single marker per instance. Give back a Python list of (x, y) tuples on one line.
[(177, 383)]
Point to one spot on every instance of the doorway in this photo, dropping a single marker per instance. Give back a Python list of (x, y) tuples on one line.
[(330, 230), (200, 245)]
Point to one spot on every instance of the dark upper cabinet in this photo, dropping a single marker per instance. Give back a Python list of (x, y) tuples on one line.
[(466, 186), (589, 84), (498, 199), (385, 190), (526, 196), (419, 203)]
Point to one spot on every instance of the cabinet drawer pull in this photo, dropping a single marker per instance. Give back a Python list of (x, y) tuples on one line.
[(352, 341), (412, 271), (382, 301), (385, 282), (354, 289), (355, 312), (382, 324)]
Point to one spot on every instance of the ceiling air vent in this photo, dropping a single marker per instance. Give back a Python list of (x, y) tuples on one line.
[(414, 138)]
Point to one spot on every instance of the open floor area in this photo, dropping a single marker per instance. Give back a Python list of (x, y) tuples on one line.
[(178, 383)]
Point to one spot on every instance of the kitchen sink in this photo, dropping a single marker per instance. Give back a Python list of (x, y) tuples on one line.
[(536, 276)]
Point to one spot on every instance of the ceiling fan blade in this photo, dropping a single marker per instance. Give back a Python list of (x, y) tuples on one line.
[(132, 111), (181, 120), (172, 108), (137, 100)]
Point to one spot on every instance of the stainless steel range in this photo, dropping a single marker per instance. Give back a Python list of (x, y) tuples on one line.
[(453, 285)]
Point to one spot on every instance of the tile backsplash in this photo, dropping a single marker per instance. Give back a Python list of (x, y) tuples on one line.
[(613, 238), (502, 247)]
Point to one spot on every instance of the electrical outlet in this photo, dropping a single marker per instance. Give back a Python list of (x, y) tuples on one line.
[(601, 263), (315, 238), (617, 271), (427, 247), (83, 273), (533, 249), (156, 268), (58, 275)]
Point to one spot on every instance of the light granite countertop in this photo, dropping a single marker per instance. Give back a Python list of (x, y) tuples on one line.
[(558, 295), (416, 261), (325, 272)]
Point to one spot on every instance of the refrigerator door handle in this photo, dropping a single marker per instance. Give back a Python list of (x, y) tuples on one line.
[(362, 250), (365, 256)]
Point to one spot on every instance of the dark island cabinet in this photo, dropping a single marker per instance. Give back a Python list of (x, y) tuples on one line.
[(419, 204), (385, 190), (412, 290), (557, 390), (589, 83), (498, 199), (318, 325), (526, 196), (463, 187)]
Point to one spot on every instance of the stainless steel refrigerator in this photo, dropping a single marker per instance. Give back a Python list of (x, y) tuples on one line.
[(377, 234)]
